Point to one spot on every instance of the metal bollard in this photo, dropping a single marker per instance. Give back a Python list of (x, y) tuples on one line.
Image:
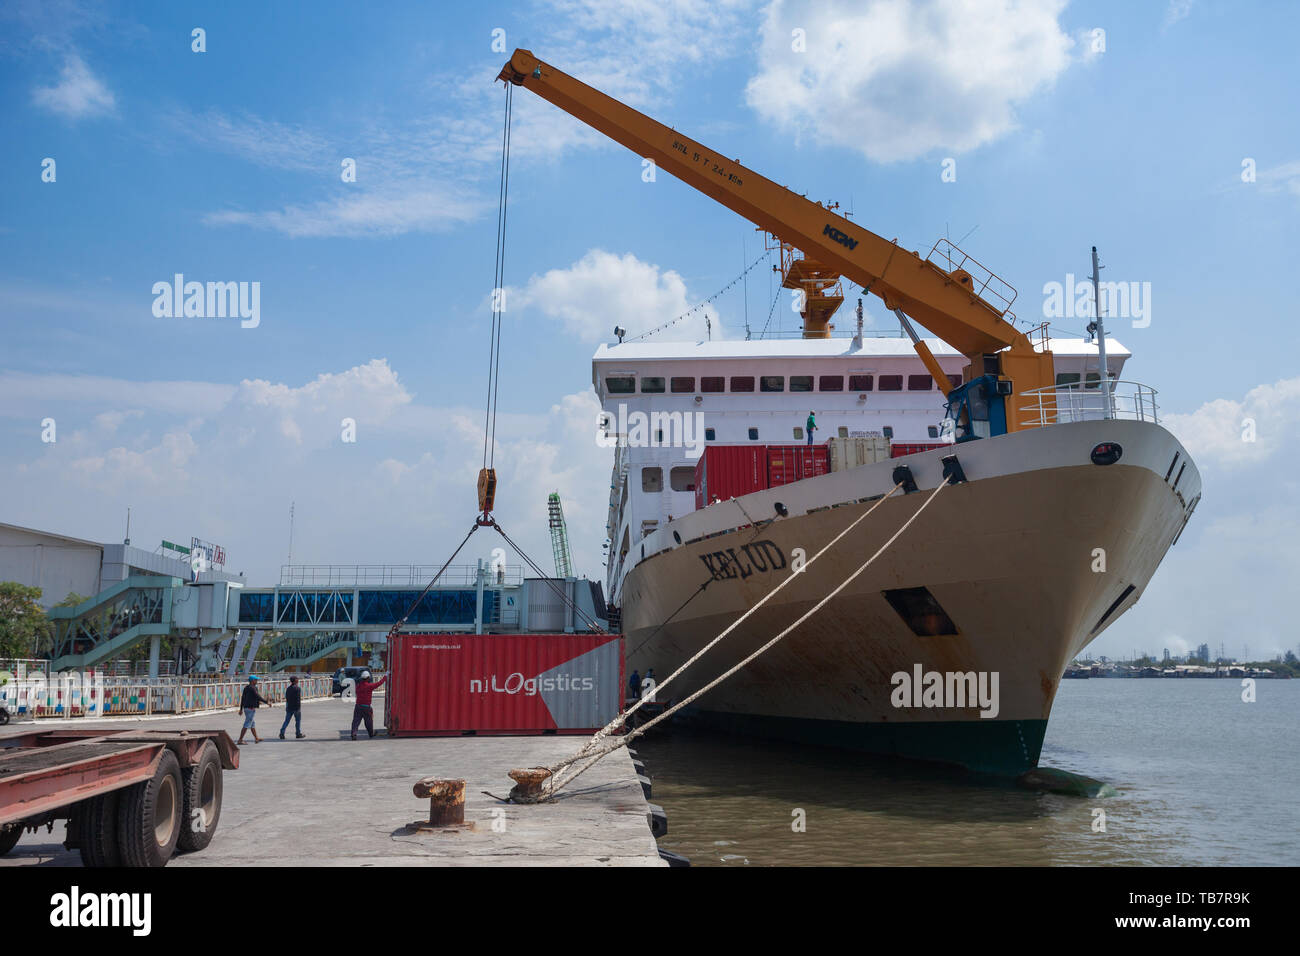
[(528, 784), (446, 802)]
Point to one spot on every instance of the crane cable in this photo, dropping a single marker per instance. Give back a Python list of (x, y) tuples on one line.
[(771, 311), (592, 624), (399, 624), (701, 304), (498, 293), (493, 388)]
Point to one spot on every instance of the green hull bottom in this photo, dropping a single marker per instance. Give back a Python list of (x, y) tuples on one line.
[(1005, 748)]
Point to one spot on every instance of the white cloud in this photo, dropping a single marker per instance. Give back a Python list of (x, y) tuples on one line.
[(1221, 431), (24, 394), (897, 80), (1239, 545), (1282, 178), (388, 212), (603, 289), (402, 493), (430, 167), (79, 93), (258, 140), (1177, 10), (597, 40)]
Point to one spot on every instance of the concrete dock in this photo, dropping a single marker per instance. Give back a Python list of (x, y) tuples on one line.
[(327, 801)]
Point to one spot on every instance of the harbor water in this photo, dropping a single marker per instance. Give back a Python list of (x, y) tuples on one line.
[(1202, 779)]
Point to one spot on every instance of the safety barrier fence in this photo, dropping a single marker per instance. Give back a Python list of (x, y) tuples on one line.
[(90, 694)]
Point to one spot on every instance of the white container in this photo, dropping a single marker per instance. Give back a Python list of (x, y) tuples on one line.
[(849, 453)]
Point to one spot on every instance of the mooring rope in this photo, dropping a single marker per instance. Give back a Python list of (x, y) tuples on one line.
[(555, 783), (591, 746), (621, 719)]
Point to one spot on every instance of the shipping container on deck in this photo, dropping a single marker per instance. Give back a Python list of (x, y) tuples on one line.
[(729, 471), (899, 449), (787, 463), (846, 453), (462, 684)]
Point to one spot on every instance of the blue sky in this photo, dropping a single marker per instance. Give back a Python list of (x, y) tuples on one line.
[(225, 166)]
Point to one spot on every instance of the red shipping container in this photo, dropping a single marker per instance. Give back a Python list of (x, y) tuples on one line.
[(729, 471), (450, 684), (787, 463), (821, 462), (899, 449)]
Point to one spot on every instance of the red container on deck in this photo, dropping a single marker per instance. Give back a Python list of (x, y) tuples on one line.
[(787, 463), (729, 471), (451, 684), (899, 449)]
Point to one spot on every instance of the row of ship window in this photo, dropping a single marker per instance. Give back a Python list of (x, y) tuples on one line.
[(681, 384)]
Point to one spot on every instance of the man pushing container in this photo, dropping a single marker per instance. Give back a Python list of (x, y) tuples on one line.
[(362, 709)]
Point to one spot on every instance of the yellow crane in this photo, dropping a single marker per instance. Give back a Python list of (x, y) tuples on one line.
[(947, 292)]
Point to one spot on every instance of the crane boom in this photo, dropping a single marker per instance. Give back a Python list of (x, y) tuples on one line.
[(947, 302)]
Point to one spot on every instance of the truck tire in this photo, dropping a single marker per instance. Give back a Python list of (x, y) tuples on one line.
[(9, 838), (149, 816), (97, 830), (201, 786)]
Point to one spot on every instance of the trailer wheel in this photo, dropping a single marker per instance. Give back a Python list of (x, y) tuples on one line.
[(9, 838), (149, 816), (97, 830), (202, 788)]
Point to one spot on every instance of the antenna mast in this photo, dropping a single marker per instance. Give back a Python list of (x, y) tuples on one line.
[(1098, 327)]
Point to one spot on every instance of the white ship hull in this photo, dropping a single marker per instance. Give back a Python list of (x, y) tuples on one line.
[(1013, 556)]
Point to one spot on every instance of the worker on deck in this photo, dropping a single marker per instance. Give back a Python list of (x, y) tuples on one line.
[(634, 684), (362, 710), (249, 701), (811, 426)]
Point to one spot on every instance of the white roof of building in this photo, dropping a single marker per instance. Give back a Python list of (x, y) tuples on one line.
[(50, 534), (813, 348)]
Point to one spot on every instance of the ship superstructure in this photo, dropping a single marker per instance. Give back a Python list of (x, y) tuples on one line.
[(688, 395)]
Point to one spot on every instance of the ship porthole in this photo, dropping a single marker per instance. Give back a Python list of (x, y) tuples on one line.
[(1106, 453)]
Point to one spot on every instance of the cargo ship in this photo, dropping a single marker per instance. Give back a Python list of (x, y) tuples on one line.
[(1013, 572), (1056, 493)]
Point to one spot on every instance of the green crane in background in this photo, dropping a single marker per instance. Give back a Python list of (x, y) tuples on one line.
[(559, 536)]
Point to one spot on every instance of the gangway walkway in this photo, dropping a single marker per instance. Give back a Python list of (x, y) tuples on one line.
[(223, 623), (106, 624)]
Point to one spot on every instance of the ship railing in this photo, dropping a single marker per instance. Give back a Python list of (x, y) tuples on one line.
[(1078, 402), (847, 332), (995, 291), (392, 575)]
